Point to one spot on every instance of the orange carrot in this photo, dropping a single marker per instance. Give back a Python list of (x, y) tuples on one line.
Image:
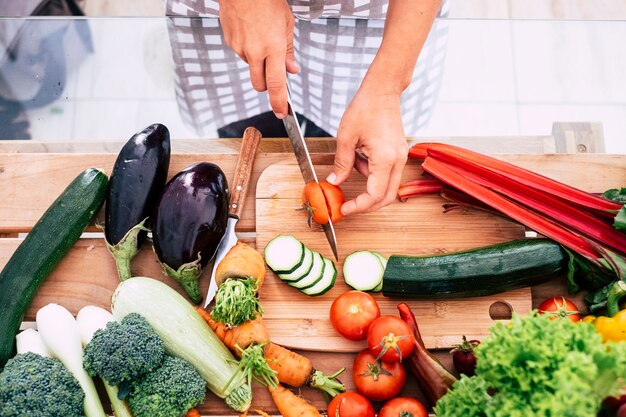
[(292, 369), (244, 335), (262, 413), (193, 413), (292, 405)]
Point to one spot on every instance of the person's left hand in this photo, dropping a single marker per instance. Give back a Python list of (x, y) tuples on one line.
[(372, 124)]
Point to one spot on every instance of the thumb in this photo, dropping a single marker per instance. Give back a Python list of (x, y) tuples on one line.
[(344, 160)]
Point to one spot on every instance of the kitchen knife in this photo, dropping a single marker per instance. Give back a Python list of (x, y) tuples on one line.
[(238, 190), (306, 166)]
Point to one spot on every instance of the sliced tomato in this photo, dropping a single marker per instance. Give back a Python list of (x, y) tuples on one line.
[(377, 380), (334, 200), (559, 308), (403, 406), (350, 404), (322, 201), (390, 339), (352, 313)]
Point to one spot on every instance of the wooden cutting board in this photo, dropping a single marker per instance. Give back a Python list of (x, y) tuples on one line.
[(416, 227)]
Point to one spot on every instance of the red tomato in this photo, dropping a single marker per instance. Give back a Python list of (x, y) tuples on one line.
[(403, 406), (350, 404), (559, 308), (390, 339), (322, 200), (352, 313), (377, 380)]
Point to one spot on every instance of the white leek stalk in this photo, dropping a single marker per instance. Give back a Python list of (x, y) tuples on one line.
[(90, 319), (30, 341), (61, 335)]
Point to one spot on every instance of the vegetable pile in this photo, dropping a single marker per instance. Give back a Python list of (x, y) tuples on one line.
[(536, 366), (585, 224)]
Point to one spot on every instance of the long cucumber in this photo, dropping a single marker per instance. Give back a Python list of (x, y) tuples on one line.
[(42, 249), (475, 272)]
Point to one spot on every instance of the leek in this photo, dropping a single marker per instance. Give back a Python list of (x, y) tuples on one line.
[(61, 335), (90, 319)]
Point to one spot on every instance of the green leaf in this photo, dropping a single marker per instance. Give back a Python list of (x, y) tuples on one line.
[(620, 219), (616, 195)]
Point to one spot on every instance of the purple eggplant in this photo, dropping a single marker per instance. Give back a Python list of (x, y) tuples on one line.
[(189, 222), (137, 180)]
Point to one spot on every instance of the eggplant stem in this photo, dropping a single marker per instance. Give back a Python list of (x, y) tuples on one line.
[(187, 276), (126, 249)]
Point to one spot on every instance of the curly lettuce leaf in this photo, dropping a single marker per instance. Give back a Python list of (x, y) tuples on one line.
[(539, 367)]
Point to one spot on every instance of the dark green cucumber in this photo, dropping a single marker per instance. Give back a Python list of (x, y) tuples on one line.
[(42, 249), (477, 272)]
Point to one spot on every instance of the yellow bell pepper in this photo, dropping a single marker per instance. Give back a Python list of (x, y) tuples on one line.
[(611, 328)]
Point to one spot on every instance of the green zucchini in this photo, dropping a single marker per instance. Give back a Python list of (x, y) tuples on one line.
[(477, 272), (42, 249)]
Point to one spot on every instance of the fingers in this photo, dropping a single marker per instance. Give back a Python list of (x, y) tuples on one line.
[(290, 61), (276, 82), (385, 174), (344, 157)]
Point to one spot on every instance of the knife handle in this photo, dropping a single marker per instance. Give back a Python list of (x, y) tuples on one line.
[(247, 154)]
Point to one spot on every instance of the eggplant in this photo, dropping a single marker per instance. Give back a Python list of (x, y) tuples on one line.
[(189, 223), (137, 180)]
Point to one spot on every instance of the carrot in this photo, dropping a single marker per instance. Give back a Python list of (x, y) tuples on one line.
[(292, 405), (292, 369), (243, 335), (193, 413), (262, 413)]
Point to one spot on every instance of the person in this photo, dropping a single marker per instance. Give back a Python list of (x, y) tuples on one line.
[(370, 132)]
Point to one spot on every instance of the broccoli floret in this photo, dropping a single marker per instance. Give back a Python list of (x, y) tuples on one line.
[(124, 351), (36, 386), (170, 391)]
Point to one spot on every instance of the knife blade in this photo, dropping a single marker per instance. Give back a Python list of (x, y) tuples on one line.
[(306, 166), (239, 188)]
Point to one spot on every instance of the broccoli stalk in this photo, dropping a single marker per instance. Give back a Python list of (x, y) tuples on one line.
[(34, 385), (169, 391)]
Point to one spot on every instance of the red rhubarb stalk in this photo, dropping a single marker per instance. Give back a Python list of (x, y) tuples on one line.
[(568, 215), (432, 377), (511, 209), (414, 188), (454, 154)]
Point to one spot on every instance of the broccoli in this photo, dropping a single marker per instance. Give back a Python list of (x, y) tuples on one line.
[(35, 386), (124, 351), (170, 391)]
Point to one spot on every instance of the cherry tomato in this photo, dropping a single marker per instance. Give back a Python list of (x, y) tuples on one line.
[(463, 356), (352, 313), (350, 404), (403, 406), (322, 200), (559, 308), (377, 380), (390, 339)]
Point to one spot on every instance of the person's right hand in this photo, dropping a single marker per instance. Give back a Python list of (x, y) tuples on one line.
[(261, 33)]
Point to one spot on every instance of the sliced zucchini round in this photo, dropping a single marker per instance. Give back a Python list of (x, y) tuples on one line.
[(284, 254), (315, 274), (301, 271), (326, 283), (363, 270)]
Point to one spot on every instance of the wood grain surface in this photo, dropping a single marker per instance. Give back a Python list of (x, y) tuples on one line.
[(30, 182)]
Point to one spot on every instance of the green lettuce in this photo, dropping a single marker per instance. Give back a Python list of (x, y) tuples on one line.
[(541, 368)]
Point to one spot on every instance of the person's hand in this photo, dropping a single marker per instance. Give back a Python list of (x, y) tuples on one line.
[(371, 125), (261, 33)]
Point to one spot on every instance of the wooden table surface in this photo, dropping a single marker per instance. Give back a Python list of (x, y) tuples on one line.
[(31, 178)]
